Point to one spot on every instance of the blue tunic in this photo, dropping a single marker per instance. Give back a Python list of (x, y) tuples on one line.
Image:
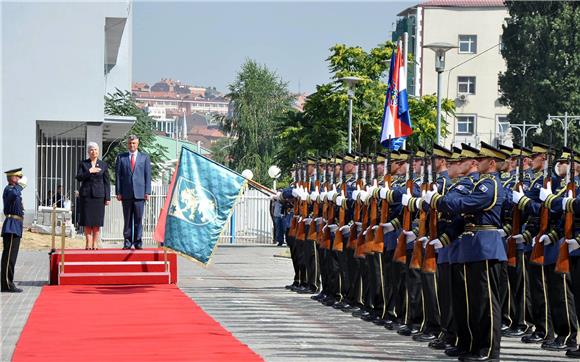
[(12, 198)]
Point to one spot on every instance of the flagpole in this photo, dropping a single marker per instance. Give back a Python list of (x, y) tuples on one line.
[(402, 44)]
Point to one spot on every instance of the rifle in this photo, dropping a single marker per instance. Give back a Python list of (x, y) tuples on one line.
[(373, 214), (400, 255), (339, 238), (537, 255), (516, 214), (301, 230), (328, 207), (312, 230), (430, 261), (417, 256), (361, 248), (353, 237), (294, 221), (563, 261), (385, 207)]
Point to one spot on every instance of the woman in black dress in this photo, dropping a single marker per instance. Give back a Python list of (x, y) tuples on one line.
[(94, 194)]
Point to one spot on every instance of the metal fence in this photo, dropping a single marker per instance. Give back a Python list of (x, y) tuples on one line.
[(250, 223)]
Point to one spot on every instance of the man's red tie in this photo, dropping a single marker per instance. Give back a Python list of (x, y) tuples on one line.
[(132, 162)]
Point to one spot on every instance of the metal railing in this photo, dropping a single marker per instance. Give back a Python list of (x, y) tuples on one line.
[(249, 224)]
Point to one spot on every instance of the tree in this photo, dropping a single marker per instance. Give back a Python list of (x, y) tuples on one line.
[(122, 103), (322, 127), (540, 47), (259, 98)]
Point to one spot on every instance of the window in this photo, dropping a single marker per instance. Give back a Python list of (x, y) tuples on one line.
[(503, 126), (466, 85), (465, 124), (467, 44)]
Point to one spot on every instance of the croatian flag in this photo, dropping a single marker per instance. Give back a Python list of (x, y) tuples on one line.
[(396, 125)]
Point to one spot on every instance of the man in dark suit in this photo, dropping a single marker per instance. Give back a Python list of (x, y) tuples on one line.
[(133, 187)]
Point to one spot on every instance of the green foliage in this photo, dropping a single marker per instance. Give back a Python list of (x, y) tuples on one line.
[(322, 128), (541, 42), (122, 103), (259, 99)]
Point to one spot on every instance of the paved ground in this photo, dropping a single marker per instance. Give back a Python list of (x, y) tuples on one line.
[(244, 290)]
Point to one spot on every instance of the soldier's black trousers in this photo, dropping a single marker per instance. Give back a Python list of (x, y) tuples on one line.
[(413, 302), (505, 300), (444, 295), (323, 263), (459, 305), (519, 308), (9, 254), (575, 279), (391, 272), (562, 305), (541, 316), (312, 264), (432, 313), (483, 283), (377, 286), (291, 241)]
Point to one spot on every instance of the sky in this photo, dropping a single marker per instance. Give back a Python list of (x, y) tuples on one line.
[(205, 43)]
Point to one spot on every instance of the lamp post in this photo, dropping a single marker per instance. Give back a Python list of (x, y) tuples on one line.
[(525, 127), (564, 121), (440, 49), (274, 172), (350, 82)]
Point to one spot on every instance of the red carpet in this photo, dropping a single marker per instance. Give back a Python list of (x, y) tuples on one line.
[(124, 323)]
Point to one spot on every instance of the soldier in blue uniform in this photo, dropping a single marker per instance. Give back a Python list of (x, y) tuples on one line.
[(12, 227), (481, 251)]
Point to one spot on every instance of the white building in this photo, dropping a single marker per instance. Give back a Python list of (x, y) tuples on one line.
[(203, 106), (471, 70), (58, 62)]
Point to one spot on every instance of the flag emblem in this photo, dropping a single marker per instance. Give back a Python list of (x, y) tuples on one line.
[(195, 205)]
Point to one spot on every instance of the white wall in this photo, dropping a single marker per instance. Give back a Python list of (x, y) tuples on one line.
[(53, 69), (445, 25)]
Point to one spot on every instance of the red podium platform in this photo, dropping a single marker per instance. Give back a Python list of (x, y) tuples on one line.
[(113, 266)]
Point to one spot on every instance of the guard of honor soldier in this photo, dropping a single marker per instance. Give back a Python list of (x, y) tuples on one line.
[(457, 248), (12, 227)]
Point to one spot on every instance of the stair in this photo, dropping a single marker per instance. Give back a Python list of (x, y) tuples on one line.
[(113, 267)]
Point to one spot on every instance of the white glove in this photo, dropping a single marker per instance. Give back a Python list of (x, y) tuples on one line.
[(545, 239), (363, 196), (276, 196), (572, 244), (23, 182), (314, 195), (423, 240), (383, 191), (545, 192), (371, 189), (375, 227), (344, 229), (296, 192), (388, 227), (318, 220), (333, 228), (339, 200), (501, 233), (307, 220), (354, 194), (304, 196), (323, 195), (406, 197), (436, 243), (410, 236), (330, 195), (429, 194), (517, 196), (519, 238)]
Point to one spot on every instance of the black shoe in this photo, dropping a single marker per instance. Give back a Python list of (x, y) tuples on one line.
[(573, 353), (12, 290), (475, 357), (533, 338), (455, 352), (440, 344), (513, 332), (424, 337), (349, 308), (290, 286), (299, 288), (126, 248), (318, 297), (308, 291), (369, 317), (379, 321), (406, 330), (392, 325), (341, 305), (504, 327), (559, 345), (359, 313), (329, 301), (138, 248)]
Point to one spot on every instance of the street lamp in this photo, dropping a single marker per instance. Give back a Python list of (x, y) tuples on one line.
[(350, 82), (564, 121), (274, 173), (440, 49), (525, 127)]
